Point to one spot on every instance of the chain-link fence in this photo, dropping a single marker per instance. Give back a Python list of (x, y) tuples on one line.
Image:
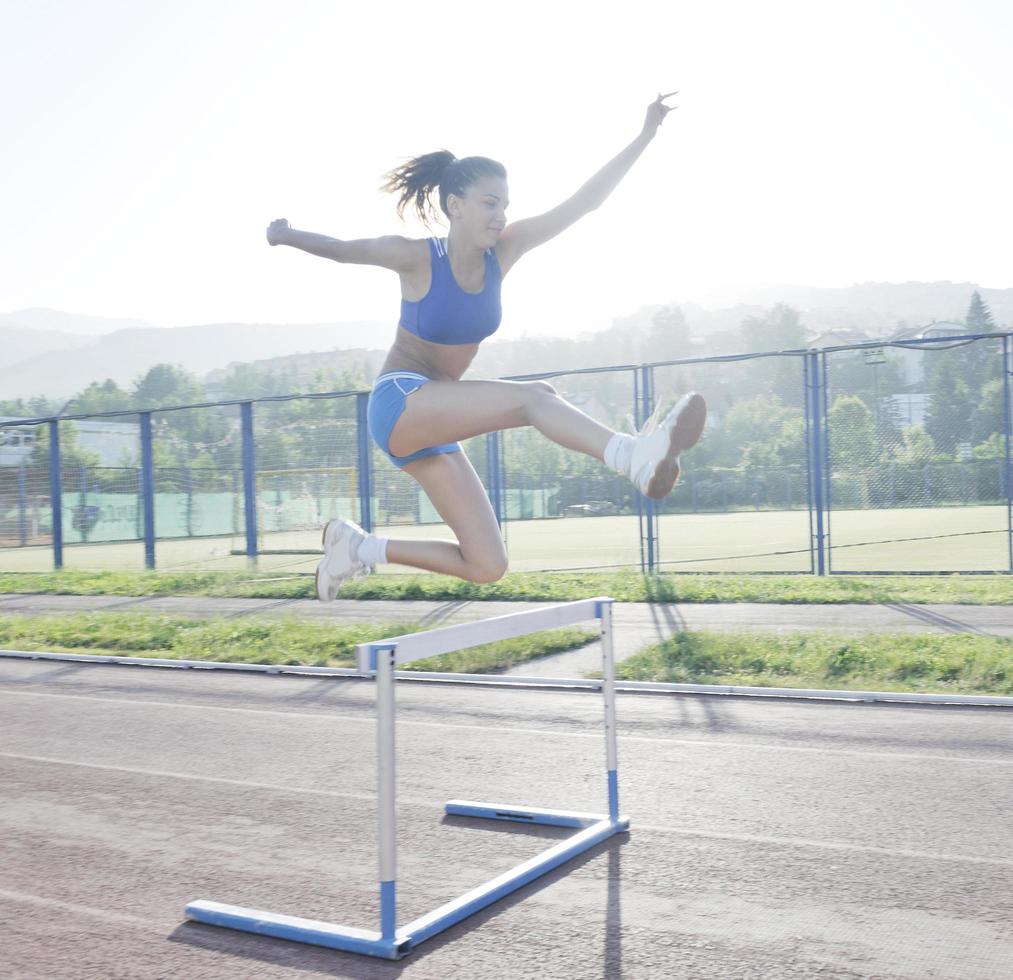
[(917, 457), (744, 502), (563, 509), (25, 504), (869, 458)]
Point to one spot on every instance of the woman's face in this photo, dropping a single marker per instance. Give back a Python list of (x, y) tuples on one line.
[(481, 212)]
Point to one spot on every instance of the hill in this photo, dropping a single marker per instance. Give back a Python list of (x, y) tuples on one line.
[(123, 355), (46, 352)]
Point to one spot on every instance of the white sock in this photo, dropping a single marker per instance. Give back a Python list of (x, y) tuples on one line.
[(619, 452), (372, 550)]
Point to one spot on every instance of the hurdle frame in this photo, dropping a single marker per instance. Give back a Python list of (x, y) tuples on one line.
[(379, 660)]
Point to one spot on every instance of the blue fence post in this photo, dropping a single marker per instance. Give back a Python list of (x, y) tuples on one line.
[(637, 497), (643, 395), (249, 479), (828, 487), (147, 491), (56, 493), (814, 431), (809, 495), (365, 462), (1007, 481), (22, 506), (494, 475)]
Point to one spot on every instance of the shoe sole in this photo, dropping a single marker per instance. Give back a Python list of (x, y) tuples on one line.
[(320, 565), (322, 598), (685, 435)]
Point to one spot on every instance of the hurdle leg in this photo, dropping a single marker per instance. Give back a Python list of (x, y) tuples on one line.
[(609, 691), (386, 798), (386, 943)]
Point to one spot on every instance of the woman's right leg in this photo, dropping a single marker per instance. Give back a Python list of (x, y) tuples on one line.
[(448, 411), (453, 486)]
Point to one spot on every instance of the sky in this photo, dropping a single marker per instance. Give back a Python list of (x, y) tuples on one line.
[(147, 145)]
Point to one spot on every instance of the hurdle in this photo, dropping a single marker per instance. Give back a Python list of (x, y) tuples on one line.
[(379, 661)]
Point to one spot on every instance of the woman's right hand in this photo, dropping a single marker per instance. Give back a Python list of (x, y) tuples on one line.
[(277, 231)]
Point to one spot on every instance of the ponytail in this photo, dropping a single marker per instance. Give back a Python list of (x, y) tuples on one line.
[(420, 176)]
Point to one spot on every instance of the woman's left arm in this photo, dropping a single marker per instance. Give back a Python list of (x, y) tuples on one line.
[(527, 233)]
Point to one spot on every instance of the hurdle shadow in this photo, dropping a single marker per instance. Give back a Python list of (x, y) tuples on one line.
[(57, 673), (945, 623), (611, 960), (250, 948)]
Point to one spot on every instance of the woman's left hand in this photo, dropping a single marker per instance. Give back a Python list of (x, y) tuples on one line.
[(656, 113)]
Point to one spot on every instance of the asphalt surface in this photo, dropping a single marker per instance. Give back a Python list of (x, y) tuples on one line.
[(768, 839), (636, 624)]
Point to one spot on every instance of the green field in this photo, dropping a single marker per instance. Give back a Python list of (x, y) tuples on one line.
[(623, 585), (883, 662), (261, 641), (946, 539)]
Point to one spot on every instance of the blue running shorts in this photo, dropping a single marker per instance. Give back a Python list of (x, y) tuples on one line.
[(386, 403)]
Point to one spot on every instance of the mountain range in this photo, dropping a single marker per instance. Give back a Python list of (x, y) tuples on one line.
[(56, 354)]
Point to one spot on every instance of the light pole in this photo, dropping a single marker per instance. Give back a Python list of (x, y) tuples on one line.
[(874, 356)]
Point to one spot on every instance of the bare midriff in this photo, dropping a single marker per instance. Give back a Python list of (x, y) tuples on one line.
[(441, 362)]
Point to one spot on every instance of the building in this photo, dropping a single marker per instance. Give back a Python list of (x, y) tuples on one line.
[(115, 443)]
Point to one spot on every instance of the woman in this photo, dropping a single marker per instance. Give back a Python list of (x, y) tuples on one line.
[(419, 408)]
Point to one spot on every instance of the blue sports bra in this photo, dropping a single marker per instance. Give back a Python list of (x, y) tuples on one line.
[(449, 315)]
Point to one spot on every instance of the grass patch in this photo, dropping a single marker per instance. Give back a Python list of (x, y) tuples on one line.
[(625, 586), (884, 662), (493, 658), (257, 641)]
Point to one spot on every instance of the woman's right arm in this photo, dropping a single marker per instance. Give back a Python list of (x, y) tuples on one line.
[(389, 251)]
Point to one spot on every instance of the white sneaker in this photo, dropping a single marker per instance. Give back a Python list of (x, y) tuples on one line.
[(654, 466), (341, 540)]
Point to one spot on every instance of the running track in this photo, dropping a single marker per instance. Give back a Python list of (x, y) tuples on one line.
[(769, 839)]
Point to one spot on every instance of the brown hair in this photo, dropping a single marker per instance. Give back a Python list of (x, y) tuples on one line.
[(416, 180)]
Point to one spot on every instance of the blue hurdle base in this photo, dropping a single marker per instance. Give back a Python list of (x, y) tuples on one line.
[(594, 829), (298, 930)]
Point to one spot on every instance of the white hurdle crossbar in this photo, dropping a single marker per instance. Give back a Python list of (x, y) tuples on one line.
[(380, 660)]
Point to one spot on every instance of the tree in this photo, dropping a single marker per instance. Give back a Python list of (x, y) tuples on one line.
[(105, 397), (982, 359), (989, 413), (166, 384), (852, 433), (251, 381), (979, 316), (994, 447), (37, 407), (72, 456), (951, 404), (780, 328), (668, 337), (181, 438), (874, 375), (916, 446), (750, 422)]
